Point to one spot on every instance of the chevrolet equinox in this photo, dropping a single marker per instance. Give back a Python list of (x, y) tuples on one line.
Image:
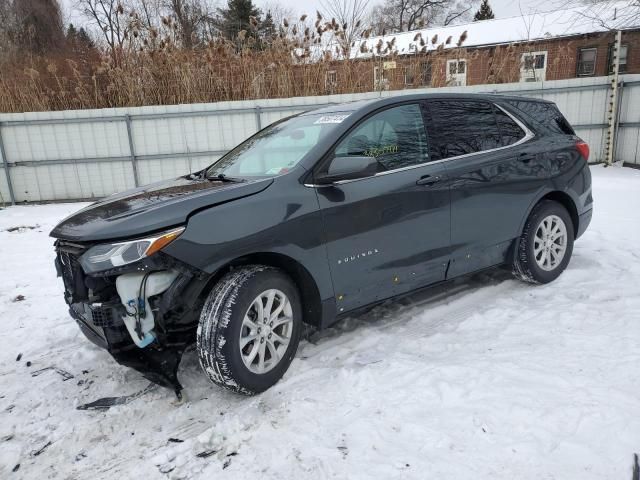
[(317, 216)]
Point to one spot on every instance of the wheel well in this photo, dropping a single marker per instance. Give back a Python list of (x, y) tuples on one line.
[(309, 293), (567, 202)]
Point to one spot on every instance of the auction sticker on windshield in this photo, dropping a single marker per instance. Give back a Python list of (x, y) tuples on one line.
[(331, 119)]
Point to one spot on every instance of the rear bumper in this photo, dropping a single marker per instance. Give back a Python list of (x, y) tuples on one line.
[(583, 222)]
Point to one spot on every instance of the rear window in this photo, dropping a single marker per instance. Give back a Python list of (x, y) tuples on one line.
[(461, 127), (545, 113)]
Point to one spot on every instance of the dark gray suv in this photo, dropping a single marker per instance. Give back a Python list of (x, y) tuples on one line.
[(317, 216)]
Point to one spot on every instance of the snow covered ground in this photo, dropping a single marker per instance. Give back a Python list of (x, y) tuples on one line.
[(486, 378)]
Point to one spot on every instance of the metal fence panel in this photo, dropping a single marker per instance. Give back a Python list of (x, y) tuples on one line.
[(5, 197), (84, 154), (628, 140)]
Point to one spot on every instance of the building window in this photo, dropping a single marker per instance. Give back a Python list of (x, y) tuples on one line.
[(457, 72), (533, 67), (331, 80), (535, 61), (409, 77), (623, 59), (380, 80), (426, 69), (587, 61)]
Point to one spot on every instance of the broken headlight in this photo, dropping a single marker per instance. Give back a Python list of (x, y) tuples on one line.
[(111, 255)]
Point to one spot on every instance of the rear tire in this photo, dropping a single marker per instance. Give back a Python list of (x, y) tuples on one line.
[(546, 244), (253, 307)]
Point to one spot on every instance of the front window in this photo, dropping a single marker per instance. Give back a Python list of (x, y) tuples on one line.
[(395, 137), (277, 148)]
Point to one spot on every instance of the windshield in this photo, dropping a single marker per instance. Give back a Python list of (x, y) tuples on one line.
[(277, 148)]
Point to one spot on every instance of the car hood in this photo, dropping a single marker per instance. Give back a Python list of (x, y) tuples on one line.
[(153, 207)]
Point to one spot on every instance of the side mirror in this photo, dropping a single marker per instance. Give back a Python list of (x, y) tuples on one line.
[(348, 168)]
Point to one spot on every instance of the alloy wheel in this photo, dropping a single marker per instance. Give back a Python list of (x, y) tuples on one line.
[(266, 331), (550, 242)]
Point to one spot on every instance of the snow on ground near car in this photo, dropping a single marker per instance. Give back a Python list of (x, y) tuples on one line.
[(487, 377)]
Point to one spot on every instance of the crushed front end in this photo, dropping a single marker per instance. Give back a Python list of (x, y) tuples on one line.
[(143, 311)]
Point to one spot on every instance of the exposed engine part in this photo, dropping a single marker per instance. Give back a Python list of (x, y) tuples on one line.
[(134, 290)]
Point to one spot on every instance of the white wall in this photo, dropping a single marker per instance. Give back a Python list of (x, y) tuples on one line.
[(86, 153)]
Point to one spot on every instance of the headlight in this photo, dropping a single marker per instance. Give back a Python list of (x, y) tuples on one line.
[(111, 255)]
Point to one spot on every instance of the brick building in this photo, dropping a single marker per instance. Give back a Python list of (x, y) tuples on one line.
[(556, 45)]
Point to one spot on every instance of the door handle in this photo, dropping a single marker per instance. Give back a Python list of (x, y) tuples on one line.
[(427, 180)]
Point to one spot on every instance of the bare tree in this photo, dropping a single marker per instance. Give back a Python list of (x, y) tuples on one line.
[(609, 14), (149, 12), (279, 12), (193, 17), (350, 16), (457, 12), (405, 15), (110, 18)]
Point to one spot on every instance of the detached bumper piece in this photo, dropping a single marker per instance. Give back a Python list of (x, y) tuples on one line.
[(104, 327), (95, 304)]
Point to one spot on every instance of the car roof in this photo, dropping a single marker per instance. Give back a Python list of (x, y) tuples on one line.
[(373, 103)]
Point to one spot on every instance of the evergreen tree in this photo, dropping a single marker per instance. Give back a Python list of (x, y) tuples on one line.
[(78, 40), (236, 17), (484, 12), (84, 39), (268, 30), (71, 32)]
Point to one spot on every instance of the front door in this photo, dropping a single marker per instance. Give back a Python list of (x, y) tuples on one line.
[(389, 233)]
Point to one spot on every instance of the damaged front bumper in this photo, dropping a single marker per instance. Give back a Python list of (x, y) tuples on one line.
[(145, 314), (156, 363)]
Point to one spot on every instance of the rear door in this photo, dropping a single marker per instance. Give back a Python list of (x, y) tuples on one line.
[(389, 233), (494, 173)]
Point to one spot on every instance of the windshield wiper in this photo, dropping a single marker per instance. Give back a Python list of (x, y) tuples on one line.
[(221, 177)]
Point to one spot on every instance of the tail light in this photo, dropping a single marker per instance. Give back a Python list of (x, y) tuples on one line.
[(583, 149)]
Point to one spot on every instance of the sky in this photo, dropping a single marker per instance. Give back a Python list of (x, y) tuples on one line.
[(501, 8)]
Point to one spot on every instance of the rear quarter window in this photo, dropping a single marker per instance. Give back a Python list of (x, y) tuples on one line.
[(546, 114), (510, 131)]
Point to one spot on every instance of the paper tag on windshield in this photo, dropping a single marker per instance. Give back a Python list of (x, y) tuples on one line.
[(331, 119)]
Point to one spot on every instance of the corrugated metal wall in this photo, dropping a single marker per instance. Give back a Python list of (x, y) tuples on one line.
[(92, 153)]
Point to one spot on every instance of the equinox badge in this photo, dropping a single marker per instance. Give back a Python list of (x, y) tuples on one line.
[(351, 258)]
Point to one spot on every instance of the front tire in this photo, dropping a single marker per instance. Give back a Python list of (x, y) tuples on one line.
[(546, 244), (249, 329)]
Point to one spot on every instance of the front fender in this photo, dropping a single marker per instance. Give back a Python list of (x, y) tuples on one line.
[(283, 221)]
